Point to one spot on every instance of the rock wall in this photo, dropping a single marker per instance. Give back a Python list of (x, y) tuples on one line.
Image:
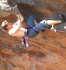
[(41, 4), (48, 9), (48, 49)]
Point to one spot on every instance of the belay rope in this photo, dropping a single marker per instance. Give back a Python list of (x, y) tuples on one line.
[(25, 37), (55, 30)]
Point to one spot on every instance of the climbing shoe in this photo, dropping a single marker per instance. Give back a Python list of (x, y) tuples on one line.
[(23, 41), (62, 18)]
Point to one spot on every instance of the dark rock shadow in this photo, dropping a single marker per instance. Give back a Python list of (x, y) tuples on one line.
[(19, 50), (27, 10)]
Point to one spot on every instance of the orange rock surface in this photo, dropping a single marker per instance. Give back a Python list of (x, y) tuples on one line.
[(47, 51)]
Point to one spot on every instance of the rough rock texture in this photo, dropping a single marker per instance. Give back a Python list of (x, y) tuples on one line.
[(51, 5), (48, 49)]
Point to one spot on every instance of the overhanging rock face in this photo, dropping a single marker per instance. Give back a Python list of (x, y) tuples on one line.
[(41, 4), (48, 49), (48, 9)]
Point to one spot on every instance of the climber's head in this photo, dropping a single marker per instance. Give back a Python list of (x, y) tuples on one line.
[(6, 25)]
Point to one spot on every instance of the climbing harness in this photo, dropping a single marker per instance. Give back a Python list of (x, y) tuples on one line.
[(26, 33)]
